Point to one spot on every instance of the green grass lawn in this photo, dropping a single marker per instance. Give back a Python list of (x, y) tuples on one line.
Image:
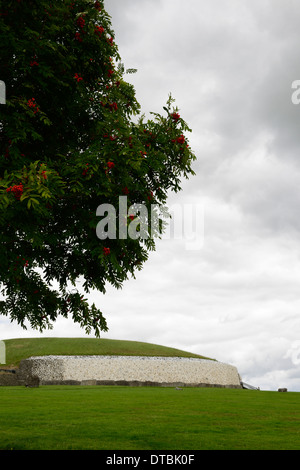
[(18, 349), (147, 418)]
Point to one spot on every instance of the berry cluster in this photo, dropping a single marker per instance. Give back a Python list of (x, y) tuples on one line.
[(17, 190)]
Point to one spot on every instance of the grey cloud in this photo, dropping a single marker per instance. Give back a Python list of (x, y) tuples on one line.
[(229, 65)]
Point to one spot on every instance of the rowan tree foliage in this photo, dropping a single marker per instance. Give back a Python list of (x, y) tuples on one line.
[(72, 138)]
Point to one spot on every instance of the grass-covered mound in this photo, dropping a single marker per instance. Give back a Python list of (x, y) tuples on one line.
[(22, 348)]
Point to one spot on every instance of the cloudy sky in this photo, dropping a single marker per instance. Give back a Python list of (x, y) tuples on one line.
[(230, 65)]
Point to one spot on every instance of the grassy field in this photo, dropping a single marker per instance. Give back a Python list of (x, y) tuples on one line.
[(18, 349), (147, 418)]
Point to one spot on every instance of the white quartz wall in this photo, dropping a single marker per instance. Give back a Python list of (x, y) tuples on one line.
[(131, 368)]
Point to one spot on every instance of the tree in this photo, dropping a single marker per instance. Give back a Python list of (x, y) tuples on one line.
[(72, 138)]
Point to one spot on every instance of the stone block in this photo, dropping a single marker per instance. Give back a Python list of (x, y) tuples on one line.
[(88, 382), (32, 381)]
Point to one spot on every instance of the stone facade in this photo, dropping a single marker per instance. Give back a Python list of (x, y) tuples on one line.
[(129, 370), (8, 378)]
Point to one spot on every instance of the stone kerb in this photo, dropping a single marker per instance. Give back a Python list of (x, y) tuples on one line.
[(39, 368), (129, 370)]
